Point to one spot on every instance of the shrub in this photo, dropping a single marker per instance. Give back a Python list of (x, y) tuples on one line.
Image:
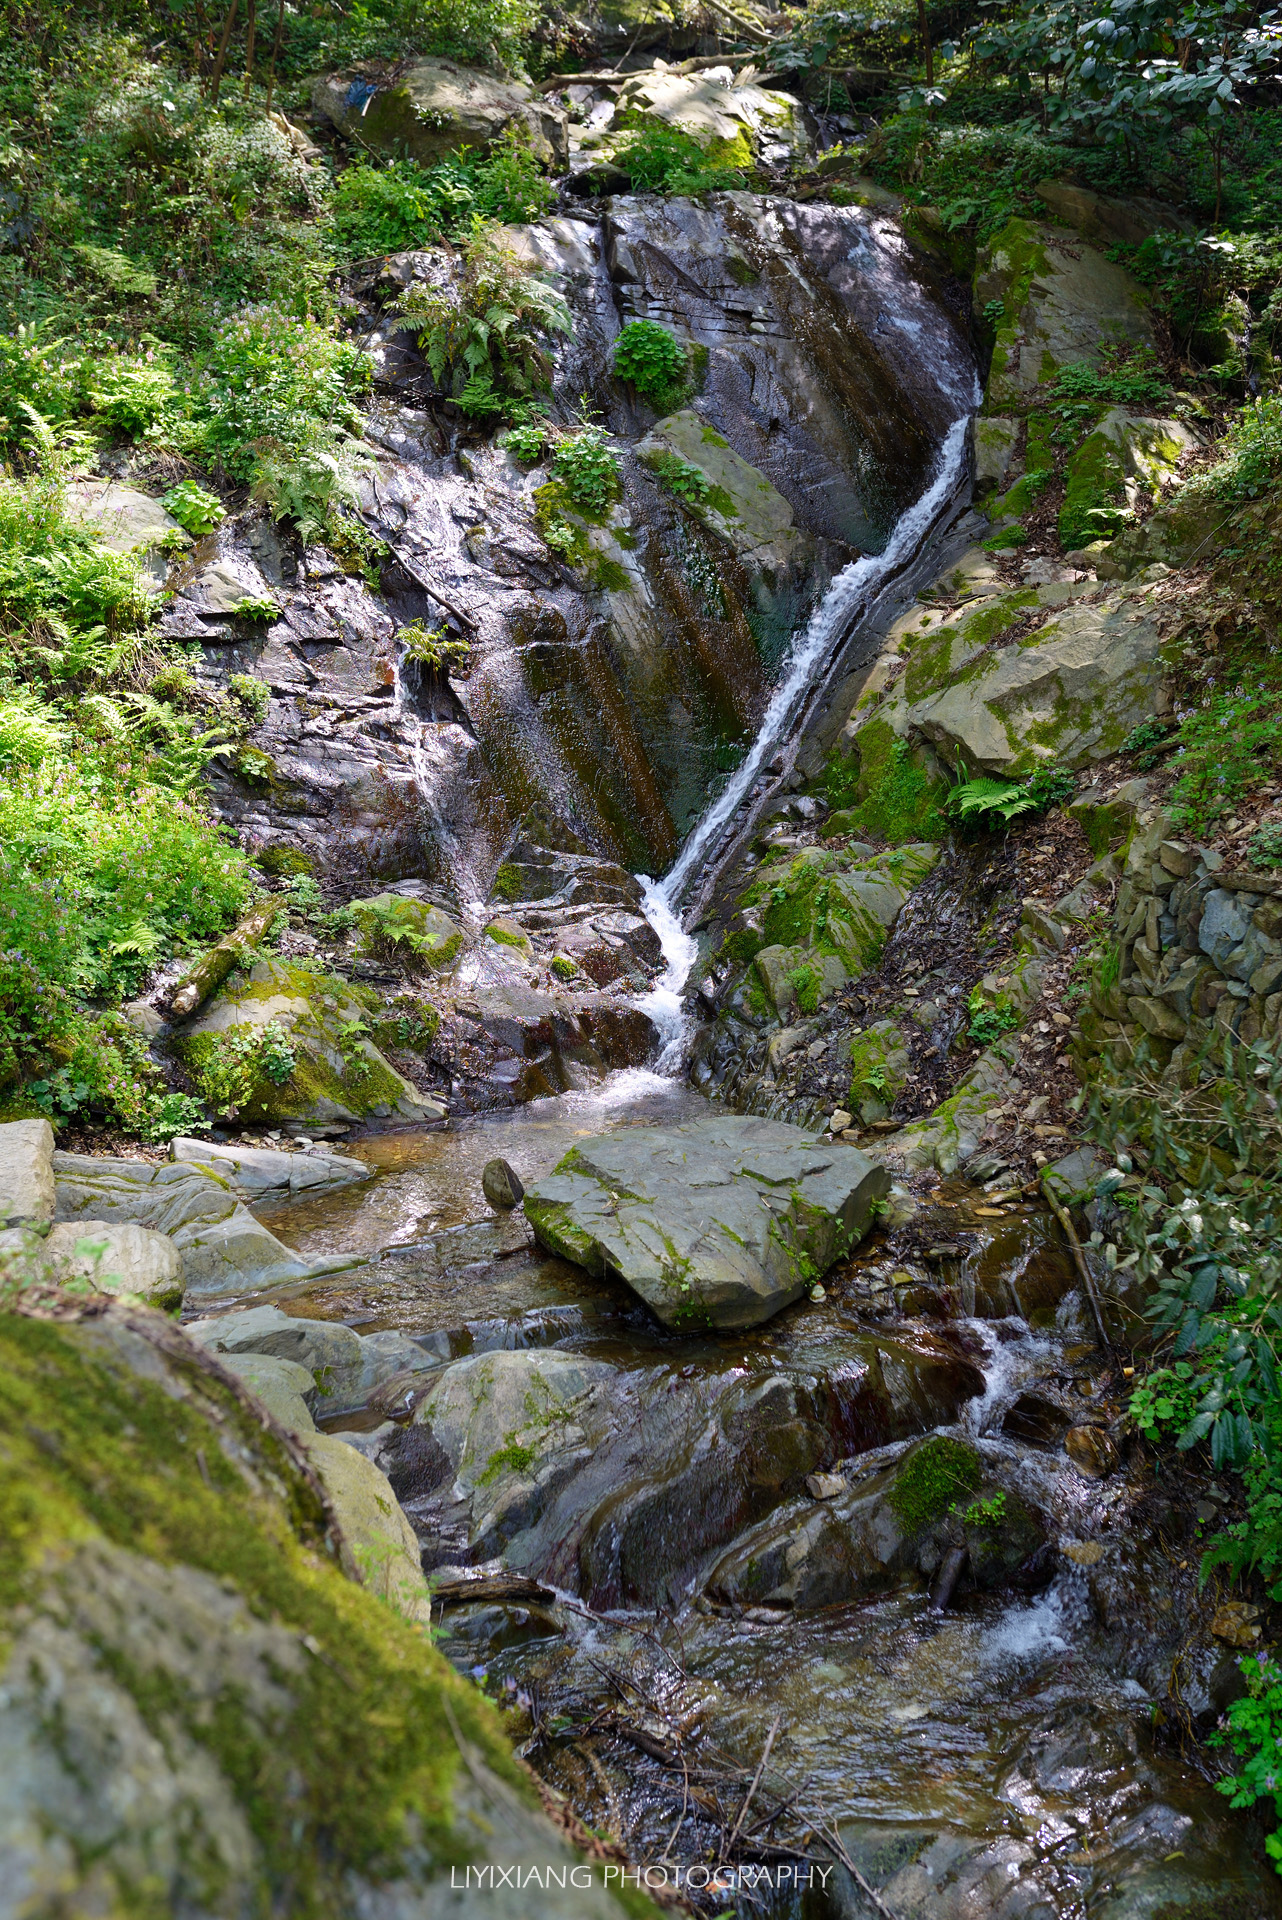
[(653, 359), (588, 469), (195, 509), (481, 335), (659, 158), (435, 648), (270, 378), (1226, 748), (253, 695), (131, 393), (379, 208), (990, 1023), (233, 1066), (526, 441), (680, 477)]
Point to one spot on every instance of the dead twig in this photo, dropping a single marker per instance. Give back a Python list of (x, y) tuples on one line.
[(756, 1781)]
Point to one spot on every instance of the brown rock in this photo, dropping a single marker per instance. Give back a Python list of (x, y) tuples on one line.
[(1236, 1622), (1091, 1452), (501, 1185)]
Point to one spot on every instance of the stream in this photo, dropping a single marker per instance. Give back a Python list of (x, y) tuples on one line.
[(767, 1748)]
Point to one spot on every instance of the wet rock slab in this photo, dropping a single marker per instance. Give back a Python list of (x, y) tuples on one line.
[(721, 1222)]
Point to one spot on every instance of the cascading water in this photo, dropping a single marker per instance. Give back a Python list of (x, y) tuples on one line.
[(811, 658)]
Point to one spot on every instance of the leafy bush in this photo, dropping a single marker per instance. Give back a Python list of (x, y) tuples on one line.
[(435, 648), (131, 393), (987, 803), (653, 359), (1265, 846), (38, 373), (383, 208), (231, 1069), (990, 1023), (680, 477), (659, 158), (588, 469), (195, 509), (526, 441), (1226, 748), (270, 378), (481, 335)]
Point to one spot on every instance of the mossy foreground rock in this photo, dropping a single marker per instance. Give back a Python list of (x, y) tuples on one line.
[(433, 108), (718, 1223), (199, 1713)]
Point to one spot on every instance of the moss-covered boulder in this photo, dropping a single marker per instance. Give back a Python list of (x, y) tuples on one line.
[(1056, 302), (1122, 463), (1021, 678), (879, 1064), (737, 502), (433, 107), (397, 926), (285, 1043), (199, 1711), (733, 124)]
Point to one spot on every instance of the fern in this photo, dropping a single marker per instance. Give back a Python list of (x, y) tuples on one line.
[(29, 730)]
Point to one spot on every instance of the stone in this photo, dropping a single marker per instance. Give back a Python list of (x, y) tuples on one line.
[(26, 1172), (1237, 1622), (501, 1185), (1075, 1177), (206, 1575), (1125, 461), (719, 1222), (841, 1120), (826, 1486), (995, 440), (348, 1367), (395, 926), (127, 521), (732, 122), (339, 1074), (222, 1247), (264, 1173), (219, 586), (742, 507), (286, 1389), (433, 107), (1064, 303), (1092, 1452), (118, 1256), (1105, 218)]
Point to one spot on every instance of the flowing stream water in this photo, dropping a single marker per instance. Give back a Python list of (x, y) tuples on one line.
[(992, 1759)]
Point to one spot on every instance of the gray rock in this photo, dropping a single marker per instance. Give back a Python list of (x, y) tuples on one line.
[(347, 1367), (118, 1256), (286, 1389), (26, 1172), (223, 1247), (501, 1185), (127, 521), (259, 1173), (721, 1222), (434, 107)]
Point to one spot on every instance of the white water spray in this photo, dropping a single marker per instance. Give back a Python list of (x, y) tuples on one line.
[(851, 589)]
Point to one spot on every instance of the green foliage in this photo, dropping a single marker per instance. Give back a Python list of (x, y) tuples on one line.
[(1129, 377), (933, 1477), (1226, 748), (481, 335), (986, 1513), (230, 1071), (384, 207), (588, 469), (262, 607), (435, 648), (988, 803), (989, 1023), (563, 967), (1253, 1729), (659, 158), (680, 477), (526, 441), (1148, 740), (1251, 451), (1264, 848), (654, 360), (253, 695), (195, 509), (270, 378), (1004, 539), (1166, 1399), (894, 797)]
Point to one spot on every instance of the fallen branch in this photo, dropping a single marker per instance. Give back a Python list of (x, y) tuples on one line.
[(1079, 1261), (756, 1781), (615, 76), (213, 967), (433, 592), (865, 1887)]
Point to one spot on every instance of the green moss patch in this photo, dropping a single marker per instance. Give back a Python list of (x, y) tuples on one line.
[(884, 791), (931, 1479)]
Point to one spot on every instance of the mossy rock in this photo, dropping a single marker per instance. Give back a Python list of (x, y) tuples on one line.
[(887, 786), (740, 505), (339, 1074), (395, 925), (879, 1064), (930, 1480), (234, 1715)]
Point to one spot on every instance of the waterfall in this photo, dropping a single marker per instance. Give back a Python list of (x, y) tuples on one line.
[(811, 655)]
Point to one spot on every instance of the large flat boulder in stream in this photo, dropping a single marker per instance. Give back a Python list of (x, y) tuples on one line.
[(721, 1222)]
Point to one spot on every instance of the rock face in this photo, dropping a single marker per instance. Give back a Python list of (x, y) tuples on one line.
[(26, 1172), (128, 521), (732, 123), (260, 1173), (718, 1223), (344, 1367), (235, 1613), (434, 107)]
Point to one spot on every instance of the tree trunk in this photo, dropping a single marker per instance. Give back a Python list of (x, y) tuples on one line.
[(251, 21), (213, 967), (280, 32), (216, 78), (923, 28)]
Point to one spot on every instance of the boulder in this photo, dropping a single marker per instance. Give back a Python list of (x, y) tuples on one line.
[(529, 872), (26, 1172), (1062, 303), (1124, 462), (263, 1173), (118, 1256), (720, 1222), (733, 123), (127, 521), (501, 1185), (433, 107), (1070, 690), (1107, 219), (286, 1389), (221, 1245), (995, 438), (185, 1552), (741, 505), (400, 926), (346, 1366), (338, 1073)]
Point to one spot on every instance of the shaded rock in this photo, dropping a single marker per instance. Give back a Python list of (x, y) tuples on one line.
[(381, 1548), (741, 504), (26, 1172), (127, 521), (262, 1173), (1063, 302), (720, 1222), (222, 1247), (434, 107), (995, 440), (501, 1185), (287, 1389), (1092, 1452), (1106, 218), (118, 1256)]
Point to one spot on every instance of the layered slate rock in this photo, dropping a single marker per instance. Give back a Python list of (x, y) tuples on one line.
[(722, 1222)]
